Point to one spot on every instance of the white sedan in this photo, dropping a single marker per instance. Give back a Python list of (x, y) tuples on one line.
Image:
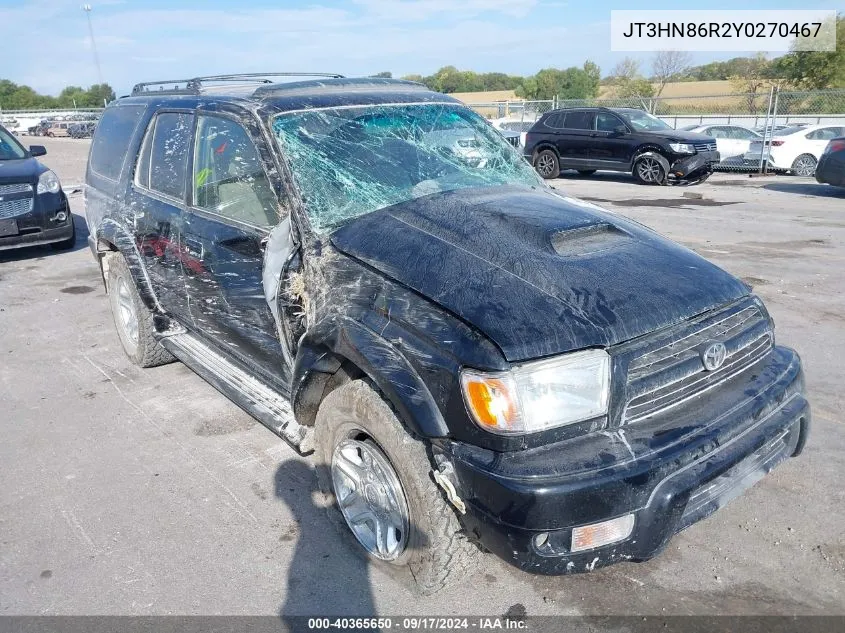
[(731, 140), (796, 149)]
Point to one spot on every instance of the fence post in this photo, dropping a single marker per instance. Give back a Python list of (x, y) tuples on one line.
[(774, 122), (766, 132)]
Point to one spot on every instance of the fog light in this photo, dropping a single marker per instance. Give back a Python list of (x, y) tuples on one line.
[(61, 216), (604, 533), (541, 539)]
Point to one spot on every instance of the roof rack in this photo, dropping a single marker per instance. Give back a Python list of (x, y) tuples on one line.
[(196, 84)]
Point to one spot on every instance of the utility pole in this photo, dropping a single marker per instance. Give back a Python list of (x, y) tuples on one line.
[(87, 9)]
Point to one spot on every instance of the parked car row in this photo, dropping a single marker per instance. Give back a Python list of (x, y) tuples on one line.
[(64, 128)]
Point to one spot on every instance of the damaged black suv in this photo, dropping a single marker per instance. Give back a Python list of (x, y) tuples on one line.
[(619, 139), (370, 270)]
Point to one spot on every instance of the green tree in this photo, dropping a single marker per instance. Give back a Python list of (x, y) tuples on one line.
[(385, 74), (571, 83), (815, 69)]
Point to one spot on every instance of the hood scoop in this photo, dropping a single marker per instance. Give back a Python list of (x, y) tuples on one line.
[(590, 239)]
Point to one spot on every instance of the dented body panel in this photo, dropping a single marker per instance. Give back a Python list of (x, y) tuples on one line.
[(459, 259)]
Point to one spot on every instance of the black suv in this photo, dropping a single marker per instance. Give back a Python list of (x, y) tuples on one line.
[(373, 272), (33, 207), (619, 139)]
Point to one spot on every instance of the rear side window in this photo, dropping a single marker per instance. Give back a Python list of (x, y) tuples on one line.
[(163, 161), (579, 121), (114, 133), (555, 120)]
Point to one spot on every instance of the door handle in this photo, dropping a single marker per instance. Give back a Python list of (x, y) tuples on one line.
[(194, 248)]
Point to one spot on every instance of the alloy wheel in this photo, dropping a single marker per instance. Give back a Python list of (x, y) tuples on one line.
[(126, 311), (370, 498), (649, 170)]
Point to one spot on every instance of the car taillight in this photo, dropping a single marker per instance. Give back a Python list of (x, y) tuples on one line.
[(777, 143), (835, 146)]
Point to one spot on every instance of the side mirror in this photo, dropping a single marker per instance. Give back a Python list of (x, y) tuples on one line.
[(37, 150), (619, 130)]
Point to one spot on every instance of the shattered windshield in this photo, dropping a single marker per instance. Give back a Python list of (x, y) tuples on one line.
[(352, 161)]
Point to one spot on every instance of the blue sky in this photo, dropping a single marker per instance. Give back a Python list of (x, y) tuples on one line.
[(46, 44)]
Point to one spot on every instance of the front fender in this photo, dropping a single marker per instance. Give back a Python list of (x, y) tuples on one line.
[(384, 364)]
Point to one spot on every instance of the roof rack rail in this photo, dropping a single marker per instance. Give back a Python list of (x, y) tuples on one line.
[(196, 84)]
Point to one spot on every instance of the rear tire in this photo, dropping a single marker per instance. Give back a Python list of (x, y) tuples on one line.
[(355, 425), (547, 164), (133, 320), (586, 172), (804, 165)]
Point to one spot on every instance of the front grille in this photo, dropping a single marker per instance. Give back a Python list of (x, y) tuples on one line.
[(17, 187), (12, 208), (674, 372), (705, 147)]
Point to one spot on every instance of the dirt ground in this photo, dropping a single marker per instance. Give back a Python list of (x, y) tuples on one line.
[(129, 491)]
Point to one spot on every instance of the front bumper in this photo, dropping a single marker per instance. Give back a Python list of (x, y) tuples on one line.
[(694, 166), (40, 226), (669, 472)]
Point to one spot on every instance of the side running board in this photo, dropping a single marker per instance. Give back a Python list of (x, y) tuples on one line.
[(255, 397)]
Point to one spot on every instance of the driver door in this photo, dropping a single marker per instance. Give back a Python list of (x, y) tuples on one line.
[(232, 209)]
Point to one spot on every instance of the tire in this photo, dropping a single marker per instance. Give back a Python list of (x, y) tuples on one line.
[(142, 348), (69, 243), (354, 420), (586, 172), (648, 170), (804, 165), (547, 164)]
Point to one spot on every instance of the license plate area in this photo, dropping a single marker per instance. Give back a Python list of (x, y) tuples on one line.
[(8, 228)]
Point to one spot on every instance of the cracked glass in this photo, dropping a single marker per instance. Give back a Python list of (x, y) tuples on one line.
[(351, 161)]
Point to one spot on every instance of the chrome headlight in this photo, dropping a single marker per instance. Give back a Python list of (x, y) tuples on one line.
[(539, 395), (48, 182), (682, 148)]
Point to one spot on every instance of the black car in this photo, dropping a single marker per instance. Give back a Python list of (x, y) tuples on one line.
[(831, 167), (619, 139), (469, 355), (33, 207)]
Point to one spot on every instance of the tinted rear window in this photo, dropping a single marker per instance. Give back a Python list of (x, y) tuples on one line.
[(114, 133), (579, 121)]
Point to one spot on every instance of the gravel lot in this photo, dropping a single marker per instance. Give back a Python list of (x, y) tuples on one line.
[(130, 491)]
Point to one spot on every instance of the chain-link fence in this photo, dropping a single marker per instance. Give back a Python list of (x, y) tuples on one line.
[(775, 130)]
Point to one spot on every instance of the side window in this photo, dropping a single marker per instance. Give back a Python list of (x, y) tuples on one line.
[(163, 161), (823, 134), (555, 120), (579, 121), (228, 177), (112, 138), (606, 122), (716, 132), (742, 134)]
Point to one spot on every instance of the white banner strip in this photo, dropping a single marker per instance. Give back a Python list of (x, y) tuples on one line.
[(740, 31)]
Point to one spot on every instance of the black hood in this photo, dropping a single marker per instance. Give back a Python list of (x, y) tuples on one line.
[(679, 136), (20, 170), (537, 273)]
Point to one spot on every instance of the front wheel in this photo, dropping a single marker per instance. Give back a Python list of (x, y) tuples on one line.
[(648, 170), (804, 165), (376, 480), (547, 164)]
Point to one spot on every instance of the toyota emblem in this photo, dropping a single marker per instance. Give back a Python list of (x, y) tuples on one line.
[(713, 356)]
